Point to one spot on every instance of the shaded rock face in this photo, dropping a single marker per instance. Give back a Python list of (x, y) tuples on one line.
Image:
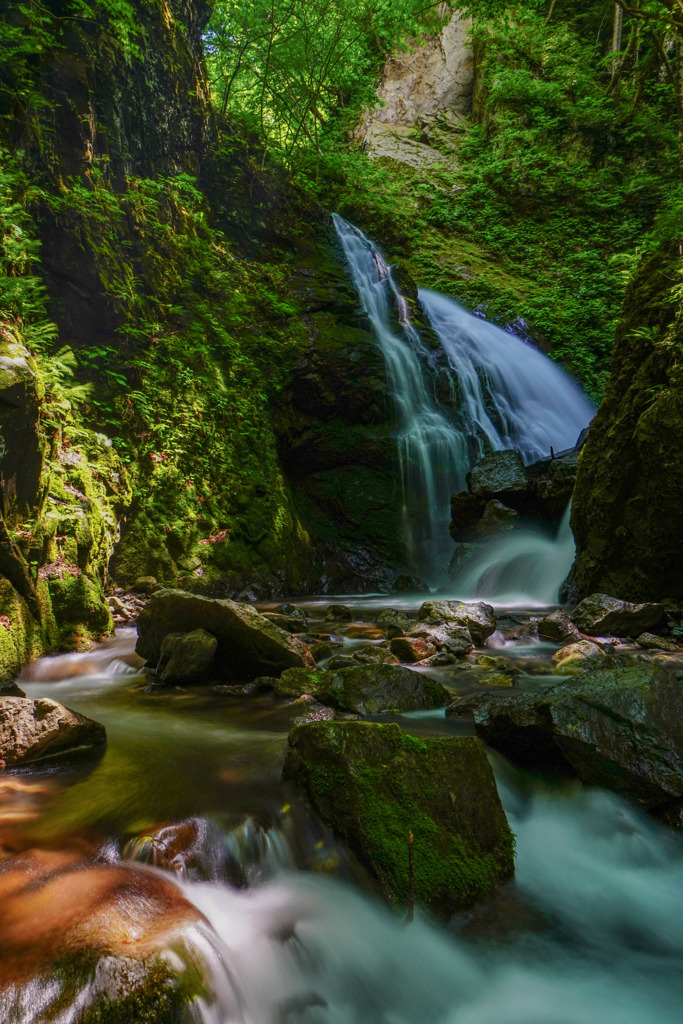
[(248, 645), (627, 513), (186, 657), (31, 729), (21, 448), (501, 487), (602, 615), (619, 728), (365, 689), (375, 787)]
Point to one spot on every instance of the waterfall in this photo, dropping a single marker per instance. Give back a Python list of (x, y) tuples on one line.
[(520, 567), (509, 395)]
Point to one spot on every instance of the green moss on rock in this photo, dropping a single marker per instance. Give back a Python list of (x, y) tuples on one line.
[(376, 787)]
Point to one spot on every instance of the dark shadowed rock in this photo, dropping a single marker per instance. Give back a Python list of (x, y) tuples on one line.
[(557, 626), (497, 517), (376, 787), (477, 617), (412, 649), (248, 644), (601, 615), (31, 729), (620, 728), (497, 472), (364, 689), (186, 657), (655, 643)]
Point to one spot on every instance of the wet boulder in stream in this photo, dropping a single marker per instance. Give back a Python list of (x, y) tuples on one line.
[(477, 617), (365, 689), (33, 729), (248, 644), (382, 791), (620, 728), (602, 615), (186, 657)]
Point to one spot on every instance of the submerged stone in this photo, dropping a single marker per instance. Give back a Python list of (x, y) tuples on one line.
[(382, 791)]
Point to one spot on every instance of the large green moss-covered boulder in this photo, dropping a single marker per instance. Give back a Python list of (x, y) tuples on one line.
[(620, 728), (375, 786)]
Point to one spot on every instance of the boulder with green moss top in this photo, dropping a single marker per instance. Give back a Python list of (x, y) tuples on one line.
[(619, 728), (186, 657), (577, 657), (365, 689), (477, 616), (33, 729), (381, 791), (248, 644)]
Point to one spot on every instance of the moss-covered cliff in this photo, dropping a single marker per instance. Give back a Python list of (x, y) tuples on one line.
[(628, 502)]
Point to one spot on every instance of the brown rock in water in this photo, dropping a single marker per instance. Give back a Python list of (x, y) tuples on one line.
[(477, 617), (380, 790), (557, 626), (32, 729), (411, 649), (248, 644)]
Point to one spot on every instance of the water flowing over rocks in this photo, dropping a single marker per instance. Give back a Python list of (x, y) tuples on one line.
[(620, 728), (33, 729), (397, 800), (248, 644)]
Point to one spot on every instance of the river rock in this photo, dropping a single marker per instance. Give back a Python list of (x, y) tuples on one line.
[(477, 617), (655, 643), (365, 690), (31, 729), (186, 657), (374, 654), (557, 626), (248, 644), (376, 787), (117, 941), (621, 728), (497, 517), (573, 657), (338, 613), (496, 472), (449, 636), (290, 623), (601, 615), (412, 649)]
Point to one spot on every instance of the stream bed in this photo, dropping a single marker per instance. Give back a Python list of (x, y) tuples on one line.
[(590, 932)]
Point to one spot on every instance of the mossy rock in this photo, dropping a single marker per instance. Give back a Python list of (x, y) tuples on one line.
[(376, 786), (365, 689)]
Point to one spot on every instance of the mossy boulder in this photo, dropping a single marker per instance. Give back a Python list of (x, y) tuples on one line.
[(365, 689), (376, 787), (620, 728), (248, 644), (477, 617)]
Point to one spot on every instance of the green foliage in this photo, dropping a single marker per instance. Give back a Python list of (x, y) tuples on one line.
[(299, 71)]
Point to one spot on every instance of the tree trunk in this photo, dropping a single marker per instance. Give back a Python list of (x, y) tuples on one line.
[(678, 87), (617, 29)]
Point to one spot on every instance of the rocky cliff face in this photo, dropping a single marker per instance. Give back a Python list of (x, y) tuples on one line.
[(424, 95), (628, 502)]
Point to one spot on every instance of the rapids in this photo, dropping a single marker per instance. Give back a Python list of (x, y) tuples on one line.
[(589, 933)]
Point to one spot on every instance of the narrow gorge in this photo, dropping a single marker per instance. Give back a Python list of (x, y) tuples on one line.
[(341, 490)]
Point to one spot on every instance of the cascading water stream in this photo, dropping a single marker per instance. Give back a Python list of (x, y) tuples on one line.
[(509, 395)]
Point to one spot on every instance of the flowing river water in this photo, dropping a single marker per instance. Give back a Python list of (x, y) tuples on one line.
[(183, 817), (590, 932)]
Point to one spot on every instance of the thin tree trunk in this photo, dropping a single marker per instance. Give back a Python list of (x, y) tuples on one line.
[(550, 12), (678, 87), (617, 29)]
